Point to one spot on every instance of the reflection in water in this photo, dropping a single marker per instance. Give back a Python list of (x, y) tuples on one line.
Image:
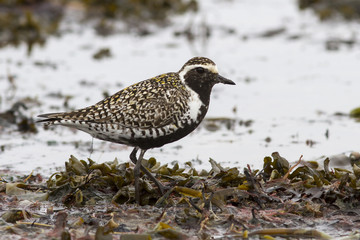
[(31, 22)]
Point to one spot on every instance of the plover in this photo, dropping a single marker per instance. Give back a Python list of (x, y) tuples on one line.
[(150, 113)]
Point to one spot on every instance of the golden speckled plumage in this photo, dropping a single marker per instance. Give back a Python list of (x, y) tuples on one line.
[(150, 103)]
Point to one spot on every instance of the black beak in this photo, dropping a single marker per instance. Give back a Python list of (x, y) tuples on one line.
[(223, 80)]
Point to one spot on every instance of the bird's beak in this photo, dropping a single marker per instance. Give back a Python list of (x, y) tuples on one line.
[(223, 80)]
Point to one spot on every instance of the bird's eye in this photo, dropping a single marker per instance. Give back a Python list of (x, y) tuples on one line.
[(200, 70)]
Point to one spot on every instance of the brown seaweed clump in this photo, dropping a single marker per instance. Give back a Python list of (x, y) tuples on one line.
[(96, 201), (33, 22), (332, 9)]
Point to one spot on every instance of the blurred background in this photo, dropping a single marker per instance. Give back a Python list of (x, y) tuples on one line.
[(295, 63)]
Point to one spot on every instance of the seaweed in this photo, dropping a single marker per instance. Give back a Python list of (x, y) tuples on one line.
[(331, 9), (355, 113), (16, 116), (95, 200), (33, 22)]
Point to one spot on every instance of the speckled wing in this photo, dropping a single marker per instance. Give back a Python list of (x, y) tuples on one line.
[(152, 103)]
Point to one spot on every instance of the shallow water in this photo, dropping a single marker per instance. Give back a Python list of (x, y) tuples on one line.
[(290, 85)]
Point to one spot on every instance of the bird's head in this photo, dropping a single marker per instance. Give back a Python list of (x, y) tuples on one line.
[(201, 70), (201, 74)]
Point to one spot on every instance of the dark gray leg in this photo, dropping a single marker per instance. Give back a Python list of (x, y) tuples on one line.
[(137, 176), (133, 155), (149, 174)]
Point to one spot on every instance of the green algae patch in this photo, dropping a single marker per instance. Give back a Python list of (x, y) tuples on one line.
[(97, 201), (355, 113)]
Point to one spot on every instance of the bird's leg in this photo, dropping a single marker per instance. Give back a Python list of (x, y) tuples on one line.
[(133, 155), (137, 176), (147, 172)]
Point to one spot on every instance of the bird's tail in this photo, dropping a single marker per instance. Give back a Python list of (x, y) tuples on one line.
[(50, 117)]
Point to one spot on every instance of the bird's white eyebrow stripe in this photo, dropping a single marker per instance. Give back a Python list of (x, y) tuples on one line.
[(212, 68)]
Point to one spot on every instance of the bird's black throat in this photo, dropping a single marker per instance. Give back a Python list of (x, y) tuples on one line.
[(202, 88)]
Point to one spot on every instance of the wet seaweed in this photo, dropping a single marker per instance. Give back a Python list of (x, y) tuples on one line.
[(33, 22), (29, 22), (16, 116), (92, 200), (137, 12), (355, 113), (332, 9), (102, 53)]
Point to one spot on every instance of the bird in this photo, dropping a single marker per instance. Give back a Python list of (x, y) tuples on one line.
[(149, 113)]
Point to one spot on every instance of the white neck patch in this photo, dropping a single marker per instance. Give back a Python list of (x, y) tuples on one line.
[(194, 104), (212, 68)]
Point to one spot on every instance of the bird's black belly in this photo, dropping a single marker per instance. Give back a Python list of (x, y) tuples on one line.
[(147, 143), (150, 141)]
